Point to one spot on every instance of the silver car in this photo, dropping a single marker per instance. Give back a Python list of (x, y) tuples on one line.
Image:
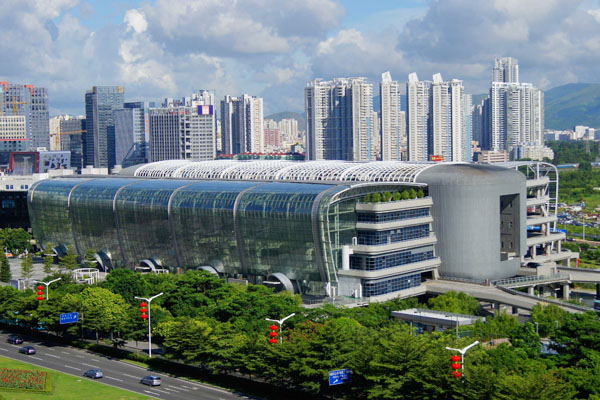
[(94, 373), (151, 380)]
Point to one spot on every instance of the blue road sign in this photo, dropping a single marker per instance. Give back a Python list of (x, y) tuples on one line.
[(69, 318), (340, 376)]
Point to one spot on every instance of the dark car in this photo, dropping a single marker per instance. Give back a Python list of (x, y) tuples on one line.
[(27, 350), (94, 373), (151, 380), (14, 339)]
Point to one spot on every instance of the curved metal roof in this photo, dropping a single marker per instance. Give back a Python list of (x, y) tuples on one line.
[(282, 170)]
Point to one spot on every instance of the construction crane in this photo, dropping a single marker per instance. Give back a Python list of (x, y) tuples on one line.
[(68, 133), (15, 103)]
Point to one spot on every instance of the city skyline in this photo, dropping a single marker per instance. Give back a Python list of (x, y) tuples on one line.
[(157, 51)]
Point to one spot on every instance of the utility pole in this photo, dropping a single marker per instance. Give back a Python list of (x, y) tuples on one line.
[(149, 300)]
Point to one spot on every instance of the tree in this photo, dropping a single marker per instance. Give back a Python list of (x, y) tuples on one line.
[(455, 302), (69, 261), (420, 193), (412, 193), (48, 264), (376, 197), (397, 196), (5, 274), (405, 195), (103, 310), (16, 241), (387, 196), (27, 267), (90, 258), (187, 339)]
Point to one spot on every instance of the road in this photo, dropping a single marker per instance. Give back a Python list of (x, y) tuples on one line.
[(75, 361)]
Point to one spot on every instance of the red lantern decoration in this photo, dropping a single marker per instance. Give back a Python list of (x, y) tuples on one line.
[(272, 340), (457, 374), (144, 316), (274, 327), (143, 310), (455, 358), (40, 298), (143, 304), (273, 334), (456, 366), (40, 287), (40, 292)]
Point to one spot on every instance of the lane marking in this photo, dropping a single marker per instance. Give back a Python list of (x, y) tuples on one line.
[(94, 360), (77, 355), (36, 358), (131, 376), (152, 393), (114, 379), (3, 349), (162, 391), (171, 390), (64, 352), (180, 388), (68, 366), (52, 355), (90, 365)]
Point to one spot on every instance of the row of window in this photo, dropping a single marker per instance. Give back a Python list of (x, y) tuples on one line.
[(23, 187), (374, 263), (379, 238), (395, 284), (393, 216)]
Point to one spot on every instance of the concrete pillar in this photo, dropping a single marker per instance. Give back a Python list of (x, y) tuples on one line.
[(515, 310), (597, 290), (497, 308), (566, 291), (531, 290)]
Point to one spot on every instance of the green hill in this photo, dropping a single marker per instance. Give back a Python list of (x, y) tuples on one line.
[(572, 104)]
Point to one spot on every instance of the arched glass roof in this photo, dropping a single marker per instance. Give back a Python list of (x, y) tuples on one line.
[(282, 170)]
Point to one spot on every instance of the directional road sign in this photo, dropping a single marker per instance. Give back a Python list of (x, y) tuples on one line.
[(69, 318), (340, 376)]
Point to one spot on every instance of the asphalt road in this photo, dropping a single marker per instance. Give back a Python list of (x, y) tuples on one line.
[(75, 361)]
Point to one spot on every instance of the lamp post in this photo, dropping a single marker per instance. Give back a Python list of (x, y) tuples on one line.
[(457, 322), (462, 354), (149, 300), (47, 284), (280, 322)]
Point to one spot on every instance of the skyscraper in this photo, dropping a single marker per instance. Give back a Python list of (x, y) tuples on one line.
[(340, 120), (71, 138), (32, 103), (418, 118), (516, 109), (506, 69), (242, 124), (393, 120), (183, 130), (131, 134), (99, 140)]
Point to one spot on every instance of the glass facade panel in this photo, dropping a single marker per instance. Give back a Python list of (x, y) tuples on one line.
[(390, 285), (379, 238), (202, 218), (276, 227), (393, 216), (143, 220), (49, 211), (94, 219), (390, 260)]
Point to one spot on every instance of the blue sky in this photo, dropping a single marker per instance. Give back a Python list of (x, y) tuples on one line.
[(271, 48)]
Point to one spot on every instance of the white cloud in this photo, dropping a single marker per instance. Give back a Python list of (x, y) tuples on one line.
[(135, 21)]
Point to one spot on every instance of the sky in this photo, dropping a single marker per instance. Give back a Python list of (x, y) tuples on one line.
[(272, 48)]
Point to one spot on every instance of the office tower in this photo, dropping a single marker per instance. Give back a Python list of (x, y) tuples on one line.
[(13, 134), (99, 140), (393, 120), (131, 134), (506, 69), (32, 103), (340, 120), (183, 132), (72, 131), (242, 124), (418, 118), (289, 129), (467, 136)]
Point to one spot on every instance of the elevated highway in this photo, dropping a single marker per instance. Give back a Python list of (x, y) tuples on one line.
[(497, 294)]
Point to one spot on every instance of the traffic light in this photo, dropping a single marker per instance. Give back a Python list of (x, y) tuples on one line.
[(40, 292), (273, 334), (456, 365), (144, 310)]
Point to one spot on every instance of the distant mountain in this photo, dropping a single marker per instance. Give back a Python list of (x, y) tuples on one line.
[(572, 104), (290, 115)]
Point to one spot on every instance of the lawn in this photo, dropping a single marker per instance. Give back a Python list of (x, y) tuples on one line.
[(68, 387)]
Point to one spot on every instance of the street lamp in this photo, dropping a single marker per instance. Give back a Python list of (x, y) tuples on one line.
[(457, 322), (462, 354), (280, 322), (47, 284), (149, 300)]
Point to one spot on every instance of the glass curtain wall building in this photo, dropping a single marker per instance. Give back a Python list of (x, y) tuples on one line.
[(315, 239)]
